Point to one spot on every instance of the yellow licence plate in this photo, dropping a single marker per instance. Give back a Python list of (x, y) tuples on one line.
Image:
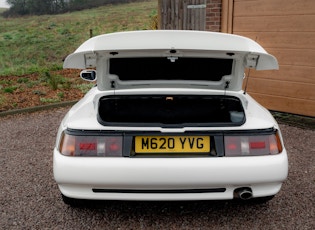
[(172, 144)]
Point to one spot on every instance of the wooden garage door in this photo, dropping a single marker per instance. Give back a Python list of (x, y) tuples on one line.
[(286, 29)]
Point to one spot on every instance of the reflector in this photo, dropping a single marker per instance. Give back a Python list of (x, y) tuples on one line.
[(113, 147), (257, 145), (87, 146)]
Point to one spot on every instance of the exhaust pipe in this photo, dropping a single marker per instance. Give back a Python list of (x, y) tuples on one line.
[(243, 193)]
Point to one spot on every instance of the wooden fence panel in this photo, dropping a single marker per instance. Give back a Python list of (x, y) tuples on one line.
[(182, 14)]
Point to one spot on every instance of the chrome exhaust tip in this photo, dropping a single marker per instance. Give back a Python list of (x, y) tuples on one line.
[(243, 193)]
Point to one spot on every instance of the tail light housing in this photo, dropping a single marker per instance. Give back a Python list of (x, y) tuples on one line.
[(73, 144), (91, 146), (253, 145)]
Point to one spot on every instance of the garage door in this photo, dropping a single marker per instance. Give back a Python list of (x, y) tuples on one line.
[(286, 29)]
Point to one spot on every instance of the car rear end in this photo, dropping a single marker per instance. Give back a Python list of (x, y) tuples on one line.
[(123, 159), (169, 123)]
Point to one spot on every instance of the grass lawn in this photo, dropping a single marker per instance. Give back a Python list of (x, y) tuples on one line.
[(32, 50)]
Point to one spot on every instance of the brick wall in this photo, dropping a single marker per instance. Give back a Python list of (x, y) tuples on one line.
[(213, 15)]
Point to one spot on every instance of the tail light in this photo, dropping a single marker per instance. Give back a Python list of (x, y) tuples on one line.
[(89, 146), (257, 145)]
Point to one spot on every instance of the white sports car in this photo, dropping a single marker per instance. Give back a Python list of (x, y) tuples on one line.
[(168, 120)]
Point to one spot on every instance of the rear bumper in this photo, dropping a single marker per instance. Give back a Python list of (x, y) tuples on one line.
[(168, 178)]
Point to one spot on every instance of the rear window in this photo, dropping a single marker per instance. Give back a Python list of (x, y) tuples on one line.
[(162, 68)]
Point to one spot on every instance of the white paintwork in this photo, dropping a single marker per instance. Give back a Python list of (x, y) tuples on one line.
[(246, 53), (164, 40), (84, 114), (77, 176)]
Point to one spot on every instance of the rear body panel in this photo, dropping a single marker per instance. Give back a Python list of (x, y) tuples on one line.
[(78, 177), (167, 177)]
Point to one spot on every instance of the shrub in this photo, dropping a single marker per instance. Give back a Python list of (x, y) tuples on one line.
[(53, 80)]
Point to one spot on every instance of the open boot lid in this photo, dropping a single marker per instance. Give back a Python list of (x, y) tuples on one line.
[(166, 58)]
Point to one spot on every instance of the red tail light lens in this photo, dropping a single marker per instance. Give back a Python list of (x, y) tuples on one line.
[(257, 145), (88, 146)]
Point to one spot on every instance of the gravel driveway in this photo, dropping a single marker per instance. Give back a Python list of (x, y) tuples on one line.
[(30, 199)]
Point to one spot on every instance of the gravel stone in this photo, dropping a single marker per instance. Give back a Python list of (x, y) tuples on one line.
[(30, 199)]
